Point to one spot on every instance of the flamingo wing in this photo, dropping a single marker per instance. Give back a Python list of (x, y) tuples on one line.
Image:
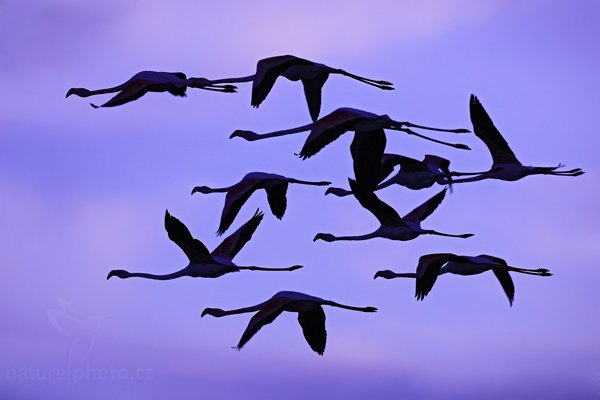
[(424, 210), (488, 133), (267, 72), (503, 276), (266, 315), (312, 92), (367, 152), (229, 247), (384, 213), (329, 128), (313, 328), (428, 270), (276, 195), (507, 283), (194, 249), (133, 91), (235, 199)]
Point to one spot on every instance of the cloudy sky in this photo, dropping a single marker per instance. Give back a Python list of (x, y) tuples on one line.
[(84, 191)]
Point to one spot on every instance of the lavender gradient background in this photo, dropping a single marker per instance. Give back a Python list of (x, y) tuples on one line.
[(84, 191)]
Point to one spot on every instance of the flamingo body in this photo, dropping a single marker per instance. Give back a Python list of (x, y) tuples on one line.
[(202, 263), (310, 316), (430, 266), (144, 82), (275, 185)]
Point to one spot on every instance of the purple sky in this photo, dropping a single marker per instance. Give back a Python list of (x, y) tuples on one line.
[(84, 191)]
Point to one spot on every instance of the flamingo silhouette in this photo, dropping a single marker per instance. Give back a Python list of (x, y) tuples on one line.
[(275, 185), (143, 82), (432, 265), (413, 174), (310, 316), (203, 264), (392, 226), (505, 165), (313, 76), (342, 120)]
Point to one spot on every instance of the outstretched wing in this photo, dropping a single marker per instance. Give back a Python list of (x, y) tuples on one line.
[(385, 214), (367, 152), (424, 210), (234, 200), (236, 241), (428, 270), (331, 127), (266, 315), (194, 249), (507, 283), (313, 328), (504, 277), (276, 195), (267, 72), (131, 92), (312, 92), (486, 131)]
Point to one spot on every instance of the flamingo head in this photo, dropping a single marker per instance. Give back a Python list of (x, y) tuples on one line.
[(248, 135), (201, 189), (324, 236), (339, 192), (215, 312), (386, 274), (81, 92), (119, 273)]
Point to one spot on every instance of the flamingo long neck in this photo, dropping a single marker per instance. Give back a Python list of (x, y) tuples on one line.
[(243, 310), (157, 277), (405, 275), (219, 190), (357, 237), (107, 90), (285, 132)]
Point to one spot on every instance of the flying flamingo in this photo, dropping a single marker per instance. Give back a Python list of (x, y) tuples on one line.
[(432, 265), (333, 125), (392, 225), (203, 264), (413, 174), (143, 82), (275, 185), (505, 165), (310, 316), (313, 76)]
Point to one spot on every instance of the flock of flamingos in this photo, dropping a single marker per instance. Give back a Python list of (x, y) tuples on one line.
[(372, 170)]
